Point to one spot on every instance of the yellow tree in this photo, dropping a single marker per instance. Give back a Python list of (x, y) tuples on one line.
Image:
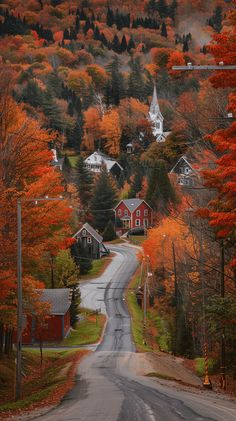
[(111, 132)]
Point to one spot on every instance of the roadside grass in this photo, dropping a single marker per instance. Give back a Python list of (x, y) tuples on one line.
[(98, 268), (42, 385), (136, 314), (137, 239), (116, 241), (87, 331)]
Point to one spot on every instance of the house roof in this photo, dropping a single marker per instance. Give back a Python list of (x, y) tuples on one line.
[(182, 158), (59, 298), (91, 231), (132, 204), (101, 159)]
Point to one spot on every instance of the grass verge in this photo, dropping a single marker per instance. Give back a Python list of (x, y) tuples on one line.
[(88, 331), (98, 268), (136, 314), (42, 385)]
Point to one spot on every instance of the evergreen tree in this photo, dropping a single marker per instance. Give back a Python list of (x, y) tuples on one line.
[(84, 183), (172, 9), (110, 17), (82, 257), (70, 109), (115, 45), (164, 30), (52, 111), (185, 45), (109, 232), (136, 83), (160, 191), (131, 44), (162, 8), (77, 24), (54, 84), (103, 200), (32, 94), (115, 87), (123, 44), (152, 6), (136, 185)]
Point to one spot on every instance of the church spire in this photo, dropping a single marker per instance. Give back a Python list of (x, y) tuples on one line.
[(154, 108)]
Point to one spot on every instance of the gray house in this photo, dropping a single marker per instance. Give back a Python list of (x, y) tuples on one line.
[(91, 240)]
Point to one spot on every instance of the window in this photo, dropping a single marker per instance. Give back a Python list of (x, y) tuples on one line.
[(145, 212), (158, 125), (186, 170), (126, 213), (89, 240), (145, 223), (119, 212), (138, 212), (84, 233), (137, 222)]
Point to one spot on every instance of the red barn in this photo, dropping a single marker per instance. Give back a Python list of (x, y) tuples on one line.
[(57, 325), (133, 213)]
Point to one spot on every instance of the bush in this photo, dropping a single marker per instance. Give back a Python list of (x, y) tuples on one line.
[(200, 366)]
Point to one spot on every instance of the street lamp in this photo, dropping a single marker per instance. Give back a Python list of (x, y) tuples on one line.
[(19, 288)]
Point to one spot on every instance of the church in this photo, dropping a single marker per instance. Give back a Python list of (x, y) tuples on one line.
[(157, 119)]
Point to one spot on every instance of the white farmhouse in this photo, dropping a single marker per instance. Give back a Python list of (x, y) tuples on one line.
[(98, 160)]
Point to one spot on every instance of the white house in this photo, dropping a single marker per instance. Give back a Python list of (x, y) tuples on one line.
[(157, 119), (98, 160), (185, 173)]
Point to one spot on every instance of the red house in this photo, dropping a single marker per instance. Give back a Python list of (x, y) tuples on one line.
[(133, 213), (57, 325)]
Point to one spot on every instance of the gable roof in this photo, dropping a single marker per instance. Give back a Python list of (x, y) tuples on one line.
[(133, 204), (100, 158), (184, 158), (59, 298), (91, 231)]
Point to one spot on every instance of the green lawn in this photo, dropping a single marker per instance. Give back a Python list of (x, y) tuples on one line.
[(98, 268), (87, 331), (73, 159), (137, 239)]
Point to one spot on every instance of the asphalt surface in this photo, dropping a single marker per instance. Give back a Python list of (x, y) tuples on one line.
[(107, 387)]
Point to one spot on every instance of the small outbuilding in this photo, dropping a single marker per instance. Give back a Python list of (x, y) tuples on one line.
[(91, 240)]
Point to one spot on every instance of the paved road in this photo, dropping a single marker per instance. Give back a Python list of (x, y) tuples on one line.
[(107, 387)]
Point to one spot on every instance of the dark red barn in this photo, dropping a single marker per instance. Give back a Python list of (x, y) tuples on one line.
[(133, 213), (57, 324)]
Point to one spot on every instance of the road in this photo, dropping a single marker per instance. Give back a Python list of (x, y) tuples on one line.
[(108, 387)]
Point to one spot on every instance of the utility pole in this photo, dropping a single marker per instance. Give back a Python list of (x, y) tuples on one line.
[(176, 296), (145, 304), (222, 294), (206, 382), (19, 305)]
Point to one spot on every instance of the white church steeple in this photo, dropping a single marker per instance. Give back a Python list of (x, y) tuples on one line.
[(156, 118)]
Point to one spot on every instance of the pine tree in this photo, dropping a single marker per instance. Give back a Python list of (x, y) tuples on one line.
[(123, 44), (131, 44), (81, 257), (70, 109), (164, 30), (103, 200), (136, 83), (172, 9), (110, 17), (115, 88), (84, 182), (136, 185), (152, 6), (162, 8), (160, 191), (115, 45), (109, 232), (185, 46)]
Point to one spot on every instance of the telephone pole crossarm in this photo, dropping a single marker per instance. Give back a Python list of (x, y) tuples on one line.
[(220, 67)]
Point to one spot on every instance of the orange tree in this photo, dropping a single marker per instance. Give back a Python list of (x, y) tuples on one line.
[(25, 172)]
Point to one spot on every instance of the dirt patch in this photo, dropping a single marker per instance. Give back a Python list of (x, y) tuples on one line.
[(165, 366)]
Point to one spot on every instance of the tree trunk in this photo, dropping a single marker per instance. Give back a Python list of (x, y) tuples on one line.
[(1, 338)]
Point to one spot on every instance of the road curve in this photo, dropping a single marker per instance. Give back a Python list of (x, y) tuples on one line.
[(107, 387)]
